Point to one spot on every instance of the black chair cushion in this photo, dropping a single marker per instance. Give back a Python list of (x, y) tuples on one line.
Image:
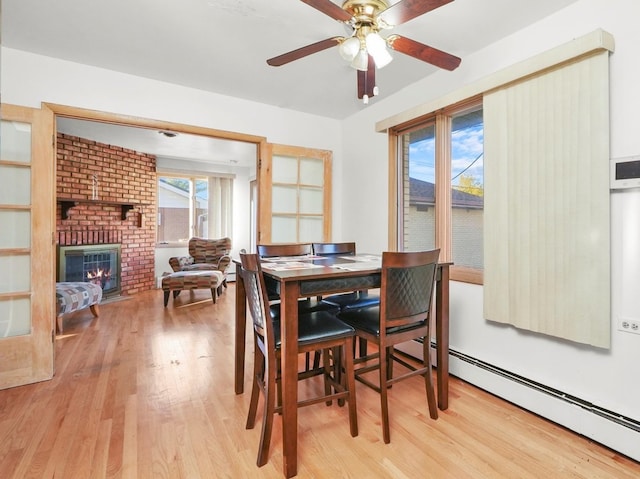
[(353, 300), (305, 306), (317, 326), (368, 320)]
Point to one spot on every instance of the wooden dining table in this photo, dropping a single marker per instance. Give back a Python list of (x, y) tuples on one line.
[(317, 276)]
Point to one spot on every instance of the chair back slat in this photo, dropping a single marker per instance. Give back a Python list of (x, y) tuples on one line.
[(285, 249), (332, 249)]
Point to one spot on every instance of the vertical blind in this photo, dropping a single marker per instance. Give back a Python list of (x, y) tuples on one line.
[(547, 251), (220, 207)]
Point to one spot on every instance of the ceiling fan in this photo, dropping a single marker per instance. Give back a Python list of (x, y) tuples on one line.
[(365, 48)]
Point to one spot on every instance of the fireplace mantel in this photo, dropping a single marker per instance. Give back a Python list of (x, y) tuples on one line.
[(68, 203)]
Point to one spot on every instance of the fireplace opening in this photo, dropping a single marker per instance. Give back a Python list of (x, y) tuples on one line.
[(99, 264)]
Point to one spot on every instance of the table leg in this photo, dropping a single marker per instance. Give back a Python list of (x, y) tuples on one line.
[(289, 293), (241, 327), (442, 336)]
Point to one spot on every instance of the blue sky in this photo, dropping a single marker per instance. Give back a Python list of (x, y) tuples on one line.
[(467, 146)]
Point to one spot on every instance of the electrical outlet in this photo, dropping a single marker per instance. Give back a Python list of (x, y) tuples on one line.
[(629, 325)]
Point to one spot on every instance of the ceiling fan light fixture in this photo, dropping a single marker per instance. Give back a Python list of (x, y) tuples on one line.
[(361, 61), (382, 58), (377, 48), (349, 48)]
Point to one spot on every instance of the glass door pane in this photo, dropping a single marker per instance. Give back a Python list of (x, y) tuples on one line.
[(15, 242)]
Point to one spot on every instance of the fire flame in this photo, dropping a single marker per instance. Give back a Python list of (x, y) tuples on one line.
[(98, 274)]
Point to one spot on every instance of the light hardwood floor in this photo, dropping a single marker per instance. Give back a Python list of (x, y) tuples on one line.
[(144, 391)]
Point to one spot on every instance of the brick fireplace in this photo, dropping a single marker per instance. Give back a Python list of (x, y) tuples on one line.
[(107, 196)]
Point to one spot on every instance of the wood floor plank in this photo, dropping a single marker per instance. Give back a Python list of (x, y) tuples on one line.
[(146, 391)]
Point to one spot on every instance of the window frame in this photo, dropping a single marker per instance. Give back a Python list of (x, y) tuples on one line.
[(442, 120), (192, 210)]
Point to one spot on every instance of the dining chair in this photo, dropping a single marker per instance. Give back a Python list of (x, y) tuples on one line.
[(281, 250), (318, 330), (406, 302), (351, 300), (266, 251), (305, 305)]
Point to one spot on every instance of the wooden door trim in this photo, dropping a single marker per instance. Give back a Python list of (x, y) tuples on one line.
[(140, 122)]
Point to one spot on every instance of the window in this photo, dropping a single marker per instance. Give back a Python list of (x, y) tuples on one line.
[(547, 207), (183, 206), (441, 187)]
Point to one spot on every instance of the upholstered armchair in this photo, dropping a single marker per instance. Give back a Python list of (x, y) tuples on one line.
[(205, 254)]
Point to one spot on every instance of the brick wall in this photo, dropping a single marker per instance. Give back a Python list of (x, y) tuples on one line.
[(123, 176)]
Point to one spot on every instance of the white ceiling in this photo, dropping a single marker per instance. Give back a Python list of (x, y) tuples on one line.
[(222, 45)]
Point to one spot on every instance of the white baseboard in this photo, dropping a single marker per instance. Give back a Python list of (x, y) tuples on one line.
[(604, 427)]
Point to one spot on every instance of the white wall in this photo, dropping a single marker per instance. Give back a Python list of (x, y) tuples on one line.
[(607, 378)]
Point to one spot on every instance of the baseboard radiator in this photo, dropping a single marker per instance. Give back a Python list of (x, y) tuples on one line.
[(614, 430)]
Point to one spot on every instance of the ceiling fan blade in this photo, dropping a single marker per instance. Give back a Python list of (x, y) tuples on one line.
[(367, 80), (423, 52), (329, 8), (304, 51), (406, 10)]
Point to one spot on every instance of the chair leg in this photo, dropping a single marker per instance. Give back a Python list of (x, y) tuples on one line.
[(213, 295), (307, 361), (363, 347), (428, 379), (94, 310), (279, 386), (166, 298), (316, 360), (348, 379), (60, 323), (384, 403), (327, 372), (269, 411), (258, 373), (337, 364), (389, 363)]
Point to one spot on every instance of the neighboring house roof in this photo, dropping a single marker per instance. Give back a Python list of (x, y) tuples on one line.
[(175, 197), (423, 193)]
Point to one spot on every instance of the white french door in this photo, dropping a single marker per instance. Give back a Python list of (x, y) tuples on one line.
[(27, 278)]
